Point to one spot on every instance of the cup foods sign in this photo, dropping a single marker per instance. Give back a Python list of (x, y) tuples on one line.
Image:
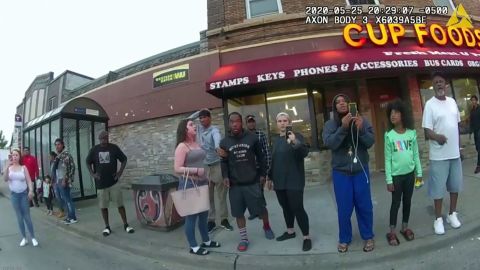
[(382, 34)]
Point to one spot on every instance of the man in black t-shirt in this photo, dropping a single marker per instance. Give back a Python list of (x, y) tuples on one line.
[(102, 164)]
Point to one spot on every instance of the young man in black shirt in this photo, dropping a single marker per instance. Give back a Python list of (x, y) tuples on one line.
[(240, 174), (102, 164)]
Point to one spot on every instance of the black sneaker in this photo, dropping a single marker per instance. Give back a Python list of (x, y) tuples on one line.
[(211, 226), (307, 244), (226, 225), (286, 236)]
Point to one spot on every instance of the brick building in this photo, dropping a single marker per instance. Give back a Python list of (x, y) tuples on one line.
[(271, 60), (261, 57)]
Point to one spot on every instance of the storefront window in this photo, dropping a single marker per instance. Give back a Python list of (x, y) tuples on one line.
[(295, 103), (257, 8), (464, 88), (254, 105), (319, 114), (323, 95), (363, 2), (426, 89)]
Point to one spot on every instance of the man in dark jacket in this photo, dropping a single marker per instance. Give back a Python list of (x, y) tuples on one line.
[(349, 137), (475, 128), (240, 174)]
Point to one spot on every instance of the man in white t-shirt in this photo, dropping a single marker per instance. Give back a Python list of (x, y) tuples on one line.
[(440, 121)]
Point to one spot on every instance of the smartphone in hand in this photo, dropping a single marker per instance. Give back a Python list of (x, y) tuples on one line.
[(352, 108), (287, 131)]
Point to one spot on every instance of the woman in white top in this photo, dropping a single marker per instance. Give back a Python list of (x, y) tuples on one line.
[(21, 188)]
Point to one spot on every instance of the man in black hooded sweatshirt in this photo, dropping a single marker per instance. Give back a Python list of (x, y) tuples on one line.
[(240, 174)]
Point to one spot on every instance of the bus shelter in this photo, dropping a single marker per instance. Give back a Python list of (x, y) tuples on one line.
[(78, 122)]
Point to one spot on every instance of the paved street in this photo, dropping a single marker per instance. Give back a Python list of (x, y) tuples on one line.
[(62, 250), (81, 246)]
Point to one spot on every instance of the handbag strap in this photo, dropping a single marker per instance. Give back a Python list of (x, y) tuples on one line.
[(186, 173)]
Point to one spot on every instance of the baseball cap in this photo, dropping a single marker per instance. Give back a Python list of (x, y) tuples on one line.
[(250, 118)]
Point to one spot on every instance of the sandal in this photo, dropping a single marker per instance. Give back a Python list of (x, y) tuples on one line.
[(392, 239), (342, 247), (369, 245), (408, 234), (200, 251), (213, 244)]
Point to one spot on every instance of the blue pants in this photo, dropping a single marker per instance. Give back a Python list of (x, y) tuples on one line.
[(202, 227), (353, 191), (58, 195), (22, 210), (67, 198), (191, 220)]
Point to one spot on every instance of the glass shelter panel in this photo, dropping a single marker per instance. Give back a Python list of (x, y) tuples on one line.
[(85, 137), (70, 139), (46, 150)]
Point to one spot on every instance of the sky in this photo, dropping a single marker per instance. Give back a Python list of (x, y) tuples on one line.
[(88, 37)]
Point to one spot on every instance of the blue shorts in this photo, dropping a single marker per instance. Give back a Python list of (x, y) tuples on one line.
[(444, 175)]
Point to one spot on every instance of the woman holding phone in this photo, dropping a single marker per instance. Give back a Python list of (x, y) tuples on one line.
[(349, 136), (21, 188), (287, 176)]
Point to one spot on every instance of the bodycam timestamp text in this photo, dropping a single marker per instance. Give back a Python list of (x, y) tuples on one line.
[(370, 14)]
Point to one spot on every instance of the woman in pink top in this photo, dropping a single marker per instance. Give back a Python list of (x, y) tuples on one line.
[(189, 158), (21, 188)]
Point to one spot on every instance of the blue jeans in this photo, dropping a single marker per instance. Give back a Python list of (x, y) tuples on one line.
[(21, 206), (67, 198), (58, 194), (202, 226), (192, 219)]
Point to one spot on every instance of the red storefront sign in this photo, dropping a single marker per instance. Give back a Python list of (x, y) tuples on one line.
[(341, 61)]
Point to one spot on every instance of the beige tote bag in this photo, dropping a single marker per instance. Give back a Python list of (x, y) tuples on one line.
[(190, 201)]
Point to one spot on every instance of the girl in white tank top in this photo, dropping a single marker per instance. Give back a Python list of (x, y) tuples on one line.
[(19, 182)]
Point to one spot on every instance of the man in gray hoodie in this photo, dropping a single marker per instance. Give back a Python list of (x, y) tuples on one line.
[(208, 136), (349, 137)]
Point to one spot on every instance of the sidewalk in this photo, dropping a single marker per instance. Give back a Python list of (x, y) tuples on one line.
[(262, 253)]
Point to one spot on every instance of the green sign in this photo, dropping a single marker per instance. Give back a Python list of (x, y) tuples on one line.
[(172, 75)]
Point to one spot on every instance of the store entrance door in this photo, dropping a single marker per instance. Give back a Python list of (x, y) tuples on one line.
[(381, 91)]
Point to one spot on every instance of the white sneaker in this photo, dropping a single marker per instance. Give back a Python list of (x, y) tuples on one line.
[(438, 226), (24, 242), (34, 242), (453, 220)]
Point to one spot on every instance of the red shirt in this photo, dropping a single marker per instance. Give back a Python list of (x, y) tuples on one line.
[(32, 166)]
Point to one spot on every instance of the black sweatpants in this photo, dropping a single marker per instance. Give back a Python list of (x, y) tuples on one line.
[(49, 202), (403, 192), (291, 202)]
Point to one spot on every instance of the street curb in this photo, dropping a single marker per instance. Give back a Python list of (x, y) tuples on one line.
[(173, 255), (357, 259), (330, 260)]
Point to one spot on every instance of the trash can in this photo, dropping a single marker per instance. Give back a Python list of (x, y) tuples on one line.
[(153, 203)]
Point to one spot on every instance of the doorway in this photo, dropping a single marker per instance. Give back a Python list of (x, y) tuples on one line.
[(381, 91)]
